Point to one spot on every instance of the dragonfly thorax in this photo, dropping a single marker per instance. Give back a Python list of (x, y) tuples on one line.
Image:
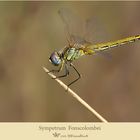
[(55, 58), (72, 53)]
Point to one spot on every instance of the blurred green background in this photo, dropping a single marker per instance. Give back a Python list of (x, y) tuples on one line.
[(30, 31)]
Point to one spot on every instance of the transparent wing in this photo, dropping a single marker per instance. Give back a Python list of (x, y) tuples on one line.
[(79, 31), (74, 26), (95, 31)]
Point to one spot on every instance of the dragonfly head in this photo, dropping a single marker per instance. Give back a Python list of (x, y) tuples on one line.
[(55, 58)]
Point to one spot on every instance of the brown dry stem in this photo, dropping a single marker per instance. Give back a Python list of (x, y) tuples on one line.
[(72, 93)]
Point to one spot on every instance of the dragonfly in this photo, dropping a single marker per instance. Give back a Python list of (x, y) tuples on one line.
[(78, 47)]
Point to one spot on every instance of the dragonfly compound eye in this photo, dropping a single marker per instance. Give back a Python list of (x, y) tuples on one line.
[(55, 59)]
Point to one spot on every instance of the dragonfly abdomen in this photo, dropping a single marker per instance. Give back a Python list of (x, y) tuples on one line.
[(108, 45)]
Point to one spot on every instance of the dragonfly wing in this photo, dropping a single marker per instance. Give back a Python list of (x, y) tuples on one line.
[(79, 40), (95, 31), (77, 30), (74, 26)]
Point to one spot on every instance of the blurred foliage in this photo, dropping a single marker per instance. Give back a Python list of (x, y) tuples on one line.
[(30, 31)]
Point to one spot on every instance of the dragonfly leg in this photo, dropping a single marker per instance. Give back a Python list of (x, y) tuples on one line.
[(66, 73), (56, 71), (79, 76)]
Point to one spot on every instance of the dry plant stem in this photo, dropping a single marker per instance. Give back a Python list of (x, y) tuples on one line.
[(77, 97)]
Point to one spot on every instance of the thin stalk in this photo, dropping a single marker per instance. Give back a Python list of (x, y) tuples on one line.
[(78, 98)]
